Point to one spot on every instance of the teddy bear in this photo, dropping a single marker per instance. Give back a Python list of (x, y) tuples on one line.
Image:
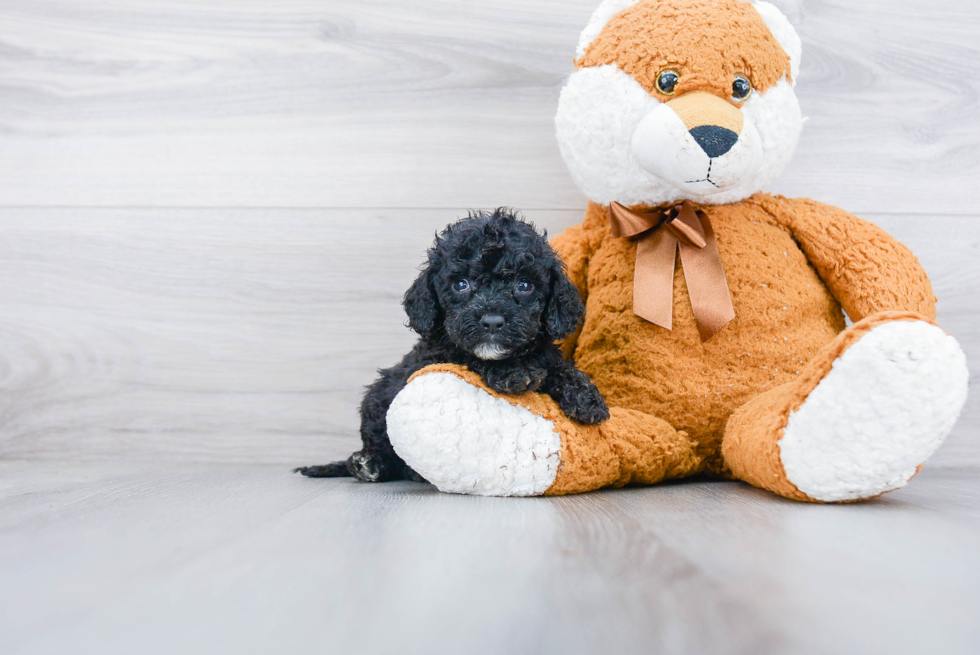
[(715, 313)]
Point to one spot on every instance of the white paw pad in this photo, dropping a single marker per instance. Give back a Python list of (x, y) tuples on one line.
[(464, 440), (882, 410)]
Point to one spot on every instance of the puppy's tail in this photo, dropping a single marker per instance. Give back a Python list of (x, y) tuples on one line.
[(331, 470)]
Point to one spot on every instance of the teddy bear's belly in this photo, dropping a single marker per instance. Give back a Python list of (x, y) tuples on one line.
[(784, 315)]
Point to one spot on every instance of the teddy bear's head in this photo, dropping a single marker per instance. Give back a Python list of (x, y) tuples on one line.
[(681, 100)]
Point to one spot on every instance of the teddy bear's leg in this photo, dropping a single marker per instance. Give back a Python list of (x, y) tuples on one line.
[(860, 420), (464, 438)]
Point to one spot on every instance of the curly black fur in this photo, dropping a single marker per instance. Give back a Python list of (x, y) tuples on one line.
[(493, 296)]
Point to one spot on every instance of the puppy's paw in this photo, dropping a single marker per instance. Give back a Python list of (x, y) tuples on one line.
[(585, 405), (331, 470), (515, 380), (368, 467)]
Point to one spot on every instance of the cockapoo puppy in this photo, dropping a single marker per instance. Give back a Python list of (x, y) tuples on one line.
[(493, 296)]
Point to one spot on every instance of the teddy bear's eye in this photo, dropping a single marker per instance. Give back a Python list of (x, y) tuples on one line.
[(461, 285), (741, 88), (524, 286), (667, 82)]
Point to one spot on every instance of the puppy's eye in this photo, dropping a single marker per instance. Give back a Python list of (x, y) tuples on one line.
[(524, 286), (461, 285), (667, 82), (741, 88)]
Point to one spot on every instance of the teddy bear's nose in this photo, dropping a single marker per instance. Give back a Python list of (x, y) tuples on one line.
[(714, 140)]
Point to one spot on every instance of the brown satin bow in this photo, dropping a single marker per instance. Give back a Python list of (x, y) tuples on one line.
[(686, 228)]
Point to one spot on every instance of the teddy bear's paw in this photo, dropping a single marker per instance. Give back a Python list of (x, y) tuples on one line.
[(464, 440), (884, 407)]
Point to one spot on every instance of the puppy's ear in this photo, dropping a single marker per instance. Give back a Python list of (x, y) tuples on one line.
[(421, 304), (565, 308)]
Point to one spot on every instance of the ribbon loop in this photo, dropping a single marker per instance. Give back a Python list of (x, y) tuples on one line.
[(687, 230), (686, 226), (628, 224)]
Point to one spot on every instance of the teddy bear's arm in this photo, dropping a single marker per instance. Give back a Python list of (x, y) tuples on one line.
[(864, 267)]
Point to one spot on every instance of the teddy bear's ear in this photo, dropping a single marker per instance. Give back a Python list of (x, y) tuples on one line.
[(775, 20), (602, 15), (785, 34)]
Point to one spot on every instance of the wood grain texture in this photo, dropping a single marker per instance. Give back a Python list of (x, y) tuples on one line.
[(247, 335), (163, 558), (435, 103), (201, 334), (146, 321)]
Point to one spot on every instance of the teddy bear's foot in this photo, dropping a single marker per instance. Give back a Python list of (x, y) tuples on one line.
[(878, 415), (861, 420), (464, 438)]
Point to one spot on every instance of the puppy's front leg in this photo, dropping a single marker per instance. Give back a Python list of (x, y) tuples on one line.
[(575, 393)]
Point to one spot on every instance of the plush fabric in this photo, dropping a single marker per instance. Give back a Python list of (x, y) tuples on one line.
[(786, 397), (623, 144), (649, 37), (785, 311), (629, 448)]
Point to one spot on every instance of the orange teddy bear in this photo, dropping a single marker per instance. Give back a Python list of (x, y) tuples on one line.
[(714, 312)]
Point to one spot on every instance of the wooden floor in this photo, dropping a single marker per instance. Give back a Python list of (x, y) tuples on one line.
[(208, 214), (195, 558)]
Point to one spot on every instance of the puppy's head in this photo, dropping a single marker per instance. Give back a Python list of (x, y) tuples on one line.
[(494, 286)]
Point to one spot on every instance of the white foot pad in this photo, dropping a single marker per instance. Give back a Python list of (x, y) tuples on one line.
[(463, 440), (883, 409)]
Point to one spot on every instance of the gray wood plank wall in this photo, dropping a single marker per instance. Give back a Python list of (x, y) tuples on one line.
[(209, 211)]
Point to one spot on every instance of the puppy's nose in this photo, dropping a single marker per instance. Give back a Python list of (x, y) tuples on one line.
[(492, 322), (714, 140)]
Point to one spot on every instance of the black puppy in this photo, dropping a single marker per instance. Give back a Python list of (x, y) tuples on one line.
[(493, 296)]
